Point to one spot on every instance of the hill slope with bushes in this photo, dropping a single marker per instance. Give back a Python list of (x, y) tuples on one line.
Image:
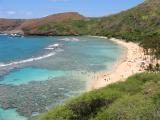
[(138, 98), (134, 23)]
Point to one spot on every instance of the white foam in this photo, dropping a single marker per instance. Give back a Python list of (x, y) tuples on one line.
[(75, 39), (70, 39), (1, 64), (27, 60), (50, 47), (65, 39), (53, 47)]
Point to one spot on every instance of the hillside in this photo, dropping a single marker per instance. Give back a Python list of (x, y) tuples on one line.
[(9, 25), (140, 24), (138, 98), (30, 27), (134, 23)]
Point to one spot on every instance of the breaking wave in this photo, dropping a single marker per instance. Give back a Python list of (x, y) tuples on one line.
[(52, 49)]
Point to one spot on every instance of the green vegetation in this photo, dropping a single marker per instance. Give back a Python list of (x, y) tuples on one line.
[(151, 45), (138, 98), (140, 24), (77, 27)]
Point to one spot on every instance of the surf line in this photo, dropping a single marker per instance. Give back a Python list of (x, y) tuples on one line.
[(27, 60)]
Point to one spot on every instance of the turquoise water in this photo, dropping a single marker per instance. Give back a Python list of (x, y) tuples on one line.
[(74, 60), (26, 75), (10, 114)]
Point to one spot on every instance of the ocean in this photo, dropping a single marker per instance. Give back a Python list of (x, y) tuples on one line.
[(38, 73)]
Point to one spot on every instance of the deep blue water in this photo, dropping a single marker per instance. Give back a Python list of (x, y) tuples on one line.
[(17, 48), (73, 57)]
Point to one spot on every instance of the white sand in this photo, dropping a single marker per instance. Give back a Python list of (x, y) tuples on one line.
[(129, 64)]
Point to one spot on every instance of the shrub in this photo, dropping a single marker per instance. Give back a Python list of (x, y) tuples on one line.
[(137, 107), (135, 99)]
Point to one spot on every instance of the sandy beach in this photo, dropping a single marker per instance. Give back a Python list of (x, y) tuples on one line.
[(132, 61)]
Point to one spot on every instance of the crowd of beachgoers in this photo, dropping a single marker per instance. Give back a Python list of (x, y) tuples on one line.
[(133, 61)]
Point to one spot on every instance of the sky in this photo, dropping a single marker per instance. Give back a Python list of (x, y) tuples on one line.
[(26, 9)]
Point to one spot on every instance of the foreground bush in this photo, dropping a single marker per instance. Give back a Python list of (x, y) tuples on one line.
[(138, 98)]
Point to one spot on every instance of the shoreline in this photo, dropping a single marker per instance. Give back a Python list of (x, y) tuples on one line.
[(128, 64)]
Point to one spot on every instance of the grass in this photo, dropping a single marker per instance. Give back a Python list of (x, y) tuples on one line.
[(138, 98)]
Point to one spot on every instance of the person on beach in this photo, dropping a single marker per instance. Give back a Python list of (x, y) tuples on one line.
[(107, 77)]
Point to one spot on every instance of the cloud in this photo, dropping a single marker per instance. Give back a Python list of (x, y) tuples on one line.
[(15, 13), (11, 12)]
